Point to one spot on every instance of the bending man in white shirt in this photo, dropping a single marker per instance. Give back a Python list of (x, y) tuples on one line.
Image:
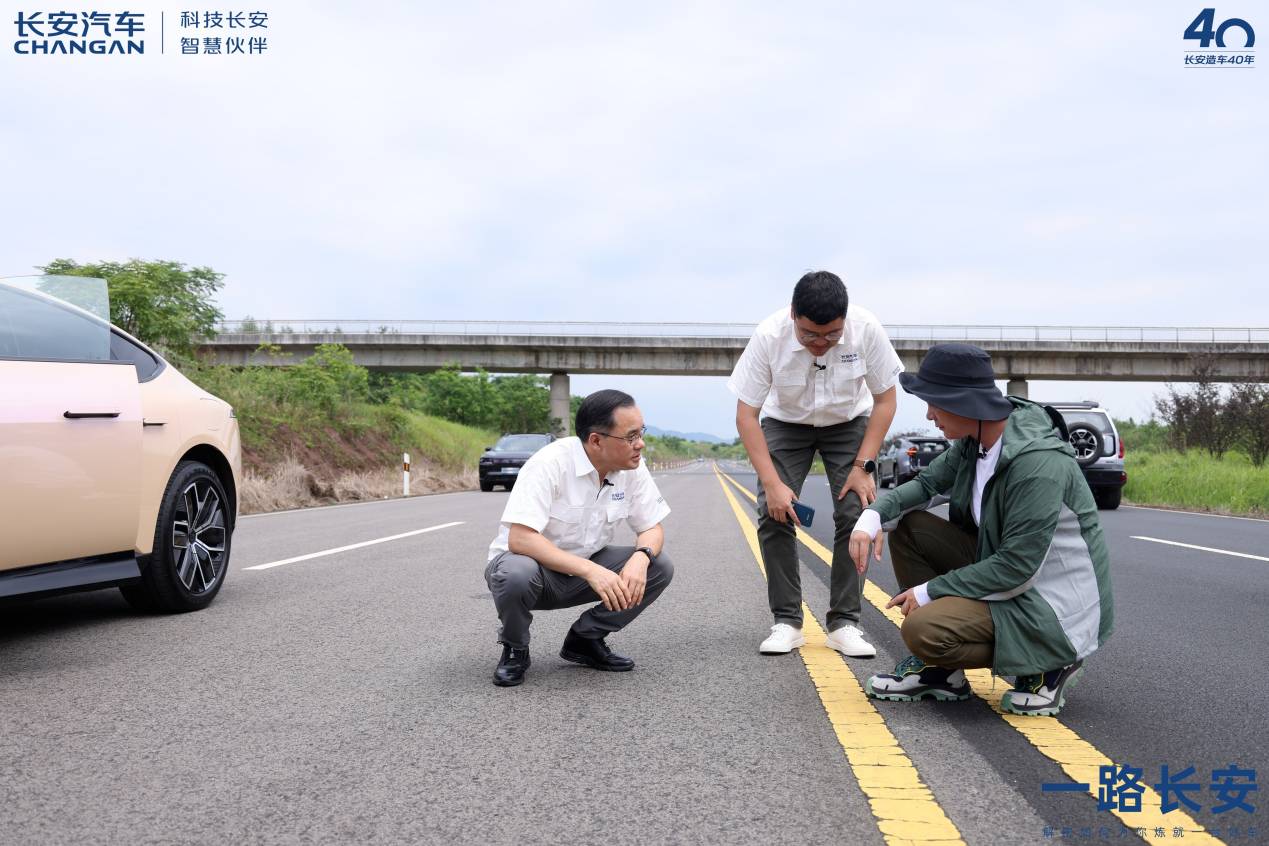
[(822, 376), (552, 549)]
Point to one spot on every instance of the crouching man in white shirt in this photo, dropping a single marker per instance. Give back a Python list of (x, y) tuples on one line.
[(552, 550)]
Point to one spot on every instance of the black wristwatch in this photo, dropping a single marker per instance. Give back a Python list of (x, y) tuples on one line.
[(652, 559), (867, 465)]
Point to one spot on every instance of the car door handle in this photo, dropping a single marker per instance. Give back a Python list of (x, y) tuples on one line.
[(88, 415), (150, 421)]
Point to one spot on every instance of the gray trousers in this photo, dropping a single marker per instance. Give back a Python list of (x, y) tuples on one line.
[(793, 447), (520, 586)]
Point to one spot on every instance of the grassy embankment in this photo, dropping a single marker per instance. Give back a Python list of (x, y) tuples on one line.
[(299, 450), (1192, 480)]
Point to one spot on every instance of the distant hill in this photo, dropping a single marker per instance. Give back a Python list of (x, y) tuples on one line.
[(704, 437)]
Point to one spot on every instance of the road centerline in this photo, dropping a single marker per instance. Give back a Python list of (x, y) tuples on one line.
[(325, 552), (902, 804), (1078, 758), (1201, 548)]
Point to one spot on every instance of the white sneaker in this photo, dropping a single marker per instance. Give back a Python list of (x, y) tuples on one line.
[(849, 641), (783, 638)]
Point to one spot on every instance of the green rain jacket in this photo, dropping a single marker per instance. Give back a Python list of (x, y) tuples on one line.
[(1042, 564)]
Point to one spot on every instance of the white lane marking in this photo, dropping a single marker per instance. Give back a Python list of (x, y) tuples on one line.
[(1202, 548), (397, 499), (1195, 513), (351, 546)]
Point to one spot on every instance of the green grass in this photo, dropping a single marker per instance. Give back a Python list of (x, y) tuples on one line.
[(1195, 480), (275, 419)]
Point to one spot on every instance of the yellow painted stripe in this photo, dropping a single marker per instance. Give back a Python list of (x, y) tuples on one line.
[(905, 810), (1078, 758)]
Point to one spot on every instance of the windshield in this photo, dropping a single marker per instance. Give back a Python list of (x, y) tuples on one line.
[(930, 446), (521, 443)]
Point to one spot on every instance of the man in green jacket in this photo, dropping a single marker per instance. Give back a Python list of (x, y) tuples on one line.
[(1018, 578)]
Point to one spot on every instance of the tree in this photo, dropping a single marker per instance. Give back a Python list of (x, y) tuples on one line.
[(163, 303), (524, 404), (1249, 407)]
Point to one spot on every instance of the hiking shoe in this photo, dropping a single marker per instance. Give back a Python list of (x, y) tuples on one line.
[(1043, 694), (849, 640), (913, 679), (783, 638)]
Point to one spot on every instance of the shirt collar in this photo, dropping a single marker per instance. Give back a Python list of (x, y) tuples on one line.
[(581, 461)]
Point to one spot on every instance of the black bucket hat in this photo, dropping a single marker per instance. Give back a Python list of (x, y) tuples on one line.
[(958, 378)]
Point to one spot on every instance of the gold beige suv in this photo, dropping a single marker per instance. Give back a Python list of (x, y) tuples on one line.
[(115, 470)]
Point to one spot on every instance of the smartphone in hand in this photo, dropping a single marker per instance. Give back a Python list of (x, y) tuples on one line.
[(805, 512)]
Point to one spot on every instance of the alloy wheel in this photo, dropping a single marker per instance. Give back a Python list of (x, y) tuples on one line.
[(198, 537)]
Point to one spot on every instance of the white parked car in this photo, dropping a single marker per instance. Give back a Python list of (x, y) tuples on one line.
[(117, 470)]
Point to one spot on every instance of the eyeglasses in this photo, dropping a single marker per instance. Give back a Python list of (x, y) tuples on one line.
[(811, 337), (630, 439)]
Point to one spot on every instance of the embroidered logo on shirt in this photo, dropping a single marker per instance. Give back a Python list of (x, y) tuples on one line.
[(618, 496), (849, 358)]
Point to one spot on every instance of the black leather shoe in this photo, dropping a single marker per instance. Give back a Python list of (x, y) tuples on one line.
[(593, 653), (511, 668)]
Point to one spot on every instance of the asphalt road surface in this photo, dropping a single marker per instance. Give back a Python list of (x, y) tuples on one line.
[(346, 697)]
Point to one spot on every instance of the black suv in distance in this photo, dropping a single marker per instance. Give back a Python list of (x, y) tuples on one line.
[(906, 457), (501, 463), (1098, 449)]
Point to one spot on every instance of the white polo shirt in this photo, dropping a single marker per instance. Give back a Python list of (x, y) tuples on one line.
[(559, 494), (780, 376)]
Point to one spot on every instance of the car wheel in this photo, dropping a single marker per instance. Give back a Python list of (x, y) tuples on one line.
[(486, 486), (1108, 498), (191, 544), (1087, 443)]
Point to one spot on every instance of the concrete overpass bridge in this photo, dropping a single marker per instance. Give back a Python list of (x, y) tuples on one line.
[(1020, 353)]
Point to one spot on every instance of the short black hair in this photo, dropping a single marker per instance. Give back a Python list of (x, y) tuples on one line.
[(820, 297), (595, 414)]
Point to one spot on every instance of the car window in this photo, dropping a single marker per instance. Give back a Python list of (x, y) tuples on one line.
[(39, 328), (521, 443), (121, 349), (1096, 419)]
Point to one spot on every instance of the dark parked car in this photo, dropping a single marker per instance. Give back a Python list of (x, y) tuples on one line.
[(501, 463), (1098, 449), (906, 457)]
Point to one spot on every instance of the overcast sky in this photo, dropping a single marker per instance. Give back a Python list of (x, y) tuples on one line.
[(986, 163)]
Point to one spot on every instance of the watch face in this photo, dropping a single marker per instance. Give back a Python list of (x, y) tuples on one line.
[(870, 466)]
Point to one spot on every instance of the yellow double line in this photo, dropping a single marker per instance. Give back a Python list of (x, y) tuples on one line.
[(922, 818)]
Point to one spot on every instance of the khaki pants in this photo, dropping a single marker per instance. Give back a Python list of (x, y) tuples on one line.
[(950, 632)]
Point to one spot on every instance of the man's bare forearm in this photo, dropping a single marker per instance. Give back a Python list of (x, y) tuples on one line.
[(653, 539), (883, 409), (525, 541)]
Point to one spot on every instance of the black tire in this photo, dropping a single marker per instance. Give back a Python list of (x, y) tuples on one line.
[(175, 582), (1108, 498), (487, 487), (1087, 443)]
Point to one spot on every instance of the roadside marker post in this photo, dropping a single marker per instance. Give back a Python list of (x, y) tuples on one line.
[(405, 474)]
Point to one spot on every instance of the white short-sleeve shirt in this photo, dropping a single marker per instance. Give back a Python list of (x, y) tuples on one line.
[(780, 376), (559, 494)]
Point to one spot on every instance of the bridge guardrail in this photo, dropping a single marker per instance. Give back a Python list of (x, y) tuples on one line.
[(909, 332)]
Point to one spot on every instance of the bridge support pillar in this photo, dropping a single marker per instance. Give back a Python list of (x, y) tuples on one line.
[(1017, 388), (560, 402)]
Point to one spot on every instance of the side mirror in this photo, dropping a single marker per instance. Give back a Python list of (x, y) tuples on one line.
[(488, 449)]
